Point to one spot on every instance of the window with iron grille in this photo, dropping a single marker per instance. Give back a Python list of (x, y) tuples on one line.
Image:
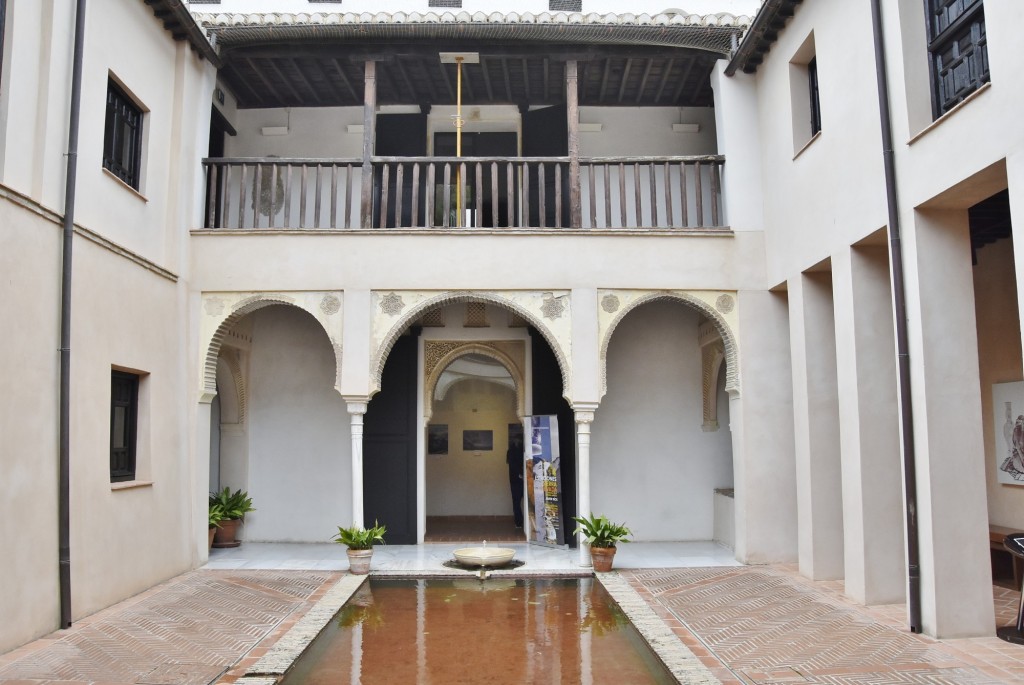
[(122, 136), (124, 414), (958, 49), (565, 5)]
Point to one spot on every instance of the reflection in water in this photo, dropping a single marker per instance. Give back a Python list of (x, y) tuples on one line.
[(470, 631)]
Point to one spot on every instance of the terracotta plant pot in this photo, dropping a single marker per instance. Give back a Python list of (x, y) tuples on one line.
[(225, 535), (602, 558), (359, 561), (213, 531)]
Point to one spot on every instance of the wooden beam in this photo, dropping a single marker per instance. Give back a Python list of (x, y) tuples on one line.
[(266, 82), (344, 79), (625, 77), (604, 81), (664, 79), (547, 78), (448, 82), (508, 80), (322, 74), (682, 81), (643, 81), (526, 79), (235, 79), (405, 77), (271, 64), (487, 78), (305, 81)]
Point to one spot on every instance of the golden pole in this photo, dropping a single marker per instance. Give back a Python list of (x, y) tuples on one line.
[(458, 141)]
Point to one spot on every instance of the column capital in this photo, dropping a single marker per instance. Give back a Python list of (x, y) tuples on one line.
[(356, 405), (584, 411)]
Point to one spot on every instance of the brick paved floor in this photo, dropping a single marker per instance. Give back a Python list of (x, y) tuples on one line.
[(187, 631), (769, 625), (748, 625)]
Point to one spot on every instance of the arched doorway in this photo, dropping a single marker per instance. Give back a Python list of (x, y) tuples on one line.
[(397, 486)]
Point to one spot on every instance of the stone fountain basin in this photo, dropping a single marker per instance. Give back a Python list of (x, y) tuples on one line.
[(484, 556)]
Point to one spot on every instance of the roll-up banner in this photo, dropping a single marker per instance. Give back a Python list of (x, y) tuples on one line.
[(543, 482)]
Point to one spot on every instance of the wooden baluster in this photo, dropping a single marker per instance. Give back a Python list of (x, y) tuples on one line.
[(288, 196), (543, 205), (225, 218), (334, 196), (416, 194), (428, 219), (447, 190), (668, 194), (700, 194), (348, 195), (478, 194), (638, 196), (558, 195), (716, 192), (256, 193), (211, 194), (303, 185), (273, 196), (591, 170), (653, 180), (243, 186), (510, 187), (622, 194), (684, 207), (385, 177), (494, 194), (525, 218), (607, 195), (316, 199), (399, 192)]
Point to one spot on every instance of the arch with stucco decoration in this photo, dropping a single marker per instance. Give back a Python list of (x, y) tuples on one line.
[(231, 386), (731, 348), (482, 348), (444, 299), (239, 310)]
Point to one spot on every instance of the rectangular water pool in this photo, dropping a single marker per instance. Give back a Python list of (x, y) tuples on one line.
[(499, 630)]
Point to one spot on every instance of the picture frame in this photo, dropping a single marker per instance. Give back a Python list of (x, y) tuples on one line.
[(437, 439), (477, 441)]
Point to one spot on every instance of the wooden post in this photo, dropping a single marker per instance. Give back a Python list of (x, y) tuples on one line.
[(369, 133), (573, 112)]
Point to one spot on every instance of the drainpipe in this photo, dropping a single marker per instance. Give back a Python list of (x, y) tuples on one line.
[(900, 314), (64, 469)]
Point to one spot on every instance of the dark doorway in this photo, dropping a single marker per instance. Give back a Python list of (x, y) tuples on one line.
[(399, 135), (486, 144), (546, 134), (389, 446), (219, 128), (547, 399)]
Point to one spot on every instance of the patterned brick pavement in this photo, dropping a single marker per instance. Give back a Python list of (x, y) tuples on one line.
[(768, 625), (187, 631)]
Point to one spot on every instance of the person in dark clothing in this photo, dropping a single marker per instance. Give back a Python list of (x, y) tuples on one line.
[(514, 459)]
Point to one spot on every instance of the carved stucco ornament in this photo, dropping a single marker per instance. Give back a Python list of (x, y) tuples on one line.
[(214, 306), (553, 307), (330, 305), (610, 303), (392, 304), (725, 303)]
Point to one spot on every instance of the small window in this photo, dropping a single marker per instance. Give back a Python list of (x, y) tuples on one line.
[(812, 87), (122, 136), (958, 47), (124, 417)]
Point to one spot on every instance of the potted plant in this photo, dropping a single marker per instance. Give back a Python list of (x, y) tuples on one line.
[(234, 506), (602, 535), (216, 516), (360, 543)]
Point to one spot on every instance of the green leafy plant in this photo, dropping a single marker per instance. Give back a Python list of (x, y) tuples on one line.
[(357, 537), (601, 532), (233, 505), (216, 515)]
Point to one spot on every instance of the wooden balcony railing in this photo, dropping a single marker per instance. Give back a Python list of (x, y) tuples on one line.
[(493, 192)]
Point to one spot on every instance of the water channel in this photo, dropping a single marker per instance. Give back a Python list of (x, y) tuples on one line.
[(499, 630)]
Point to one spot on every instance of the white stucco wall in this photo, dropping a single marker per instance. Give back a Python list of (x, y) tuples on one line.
[(471, 483), (299, 444), (651, 464)]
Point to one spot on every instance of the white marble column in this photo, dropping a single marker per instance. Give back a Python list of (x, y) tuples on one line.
[(356, 410), (584, 417), (812, 336), (873, 525)]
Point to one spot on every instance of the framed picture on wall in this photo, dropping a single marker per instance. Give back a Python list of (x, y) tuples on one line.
[(477, 441), (1008, 420), (437, 439)]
